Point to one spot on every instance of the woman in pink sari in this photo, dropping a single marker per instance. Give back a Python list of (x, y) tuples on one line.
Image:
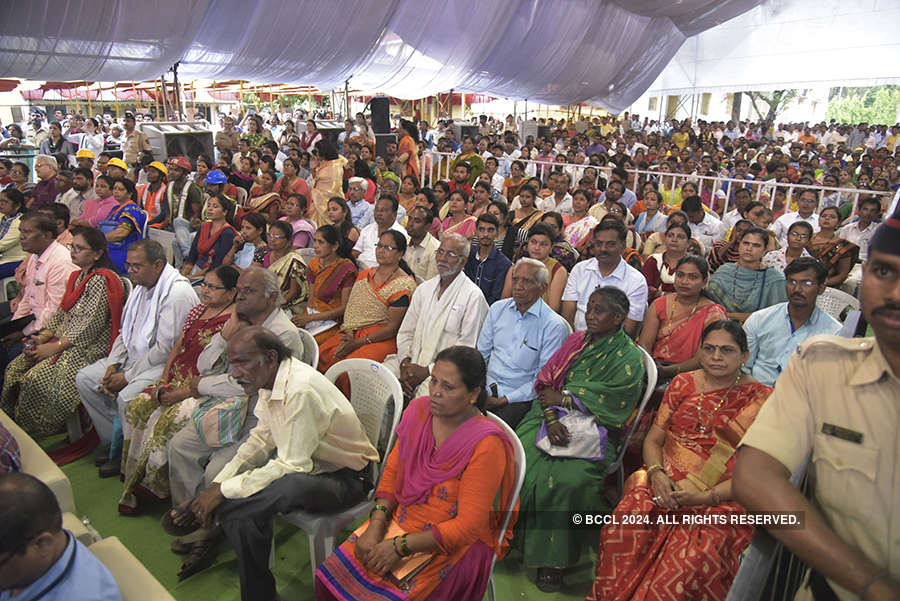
[(457, 221), (436, 498), (675, 321)]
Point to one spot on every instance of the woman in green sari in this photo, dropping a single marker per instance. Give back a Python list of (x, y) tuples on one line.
[(748, 285), (598, 372)]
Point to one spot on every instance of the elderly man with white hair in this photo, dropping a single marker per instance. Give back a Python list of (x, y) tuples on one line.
[(44, 193), (518, 337), (446, 310), (361, 211)]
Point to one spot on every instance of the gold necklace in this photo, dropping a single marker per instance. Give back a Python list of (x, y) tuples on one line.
[(701, 427)]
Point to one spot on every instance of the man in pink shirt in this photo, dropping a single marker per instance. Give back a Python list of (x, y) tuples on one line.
[(48, 270)]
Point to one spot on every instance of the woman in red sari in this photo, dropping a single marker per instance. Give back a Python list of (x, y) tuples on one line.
[(689, 458), (213, 241), (331, 276), (436, 497), (673, 325)]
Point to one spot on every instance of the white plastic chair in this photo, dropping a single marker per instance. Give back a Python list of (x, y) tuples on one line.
[(241, 197), (834, 301), (519, 452), (377, 398), (617, 465), (167, 239), (3, 284), (310, 347)]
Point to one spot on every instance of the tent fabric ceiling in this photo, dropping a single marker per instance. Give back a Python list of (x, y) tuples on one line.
[(551, 51), (790, 44)]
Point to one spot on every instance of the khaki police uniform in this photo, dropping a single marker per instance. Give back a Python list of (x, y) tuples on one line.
[(839, 398), (134, 143), (227, 140)]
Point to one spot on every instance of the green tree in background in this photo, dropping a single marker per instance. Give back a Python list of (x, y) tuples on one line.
[(870, 105)]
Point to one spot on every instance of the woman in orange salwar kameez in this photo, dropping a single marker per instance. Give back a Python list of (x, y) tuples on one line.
[(437, 493), (378, 301), (689, 457)]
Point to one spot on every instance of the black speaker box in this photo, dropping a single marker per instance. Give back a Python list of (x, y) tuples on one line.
[(381, 114)]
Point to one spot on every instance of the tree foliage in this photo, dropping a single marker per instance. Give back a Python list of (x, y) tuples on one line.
[(870, 105), (772, 102)]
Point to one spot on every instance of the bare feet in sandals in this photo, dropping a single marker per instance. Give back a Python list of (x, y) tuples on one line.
[(180, 521)]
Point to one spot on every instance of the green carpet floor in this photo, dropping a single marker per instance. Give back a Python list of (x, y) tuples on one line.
[(96, 499)]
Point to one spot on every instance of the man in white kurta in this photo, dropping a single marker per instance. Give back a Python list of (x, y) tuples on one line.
[(445, 311), (151, 323)]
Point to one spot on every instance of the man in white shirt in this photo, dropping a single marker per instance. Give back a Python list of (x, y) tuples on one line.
[(491, 165), (560, 201), (308, 451), (422, 245), (861, 231), (608, 268), (151, 322), (447, 310), (741, 200), (704, 227), (385, 215), (806, 207)]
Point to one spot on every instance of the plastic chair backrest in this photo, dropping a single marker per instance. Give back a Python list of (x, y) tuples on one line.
[(310, 347), (377, 399), (519, 452), (167, 239), (834, 301), (145, 231), (651, 373), (241, 196), (128, 286)]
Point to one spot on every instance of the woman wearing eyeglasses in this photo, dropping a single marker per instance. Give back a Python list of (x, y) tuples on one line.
[(376, 306), (288, 267), (161, 411), (688, 458), (799, 235), (39, 391)]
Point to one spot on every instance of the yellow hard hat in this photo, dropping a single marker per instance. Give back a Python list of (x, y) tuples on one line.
[(84, 153), (117, 162), (160, 167)]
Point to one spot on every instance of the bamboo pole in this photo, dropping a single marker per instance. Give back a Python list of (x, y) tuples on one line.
[(87, 89)]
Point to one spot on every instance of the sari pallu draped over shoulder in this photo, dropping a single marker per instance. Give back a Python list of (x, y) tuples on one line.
[(665, 560), (425, 483), (605, 377), (115, 292)]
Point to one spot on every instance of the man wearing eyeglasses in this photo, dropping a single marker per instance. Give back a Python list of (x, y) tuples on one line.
[(775, 332), (446, 310), (45, 167), (38, 558)]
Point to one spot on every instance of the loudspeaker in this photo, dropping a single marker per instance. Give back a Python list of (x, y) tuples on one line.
[(465, 130), (170, 139), (381, 117), (381, 142), (543, 131)]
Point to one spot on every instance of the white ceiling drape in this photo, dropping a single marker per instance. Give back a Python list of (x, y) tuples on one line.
[(550, 51), (790, 44)]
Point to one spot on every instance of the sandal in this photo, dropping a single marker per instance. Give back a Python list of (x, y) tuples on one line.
[(180, 521), (549, 580), (202, 555)]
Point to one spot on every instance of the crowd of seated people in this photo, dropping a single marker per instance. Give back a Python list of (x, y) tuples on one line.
[(532, 279)]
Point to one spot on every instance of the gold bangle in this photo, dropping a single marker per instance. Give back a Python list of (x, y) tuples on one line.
[(653, 468)]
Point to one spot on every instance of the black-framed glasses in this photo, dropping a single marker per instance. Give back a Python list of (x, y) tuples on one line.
[(387, 247)]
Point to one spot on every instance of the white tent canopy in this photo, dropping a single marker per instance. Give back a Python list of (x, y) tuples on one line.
[(784, 44), (551, 51)]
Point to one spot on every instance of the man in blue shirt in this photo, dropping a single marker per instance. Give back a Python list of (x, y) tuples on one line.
[(519, 335), (487, 266), (362, 213), (775, 332), (38, 559)]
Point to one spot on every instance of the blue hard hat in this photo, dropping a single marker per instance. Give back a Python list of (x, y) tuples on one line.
[(216, 177)]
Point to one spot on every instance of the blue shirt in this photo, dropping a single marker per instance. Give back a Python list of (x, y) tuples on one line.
[(628, 198), (516, 346), (771, 341), (76, 576), (361, 213), (490, 274)]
